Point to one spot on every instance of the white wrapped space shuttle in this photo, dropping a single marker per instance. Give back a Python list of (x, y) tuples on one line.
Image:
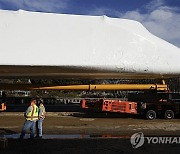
[(34, 44)]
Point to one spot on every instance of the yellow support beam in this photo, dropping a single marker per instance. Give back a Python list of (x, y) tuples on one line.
[(95, 87), (158, 87)]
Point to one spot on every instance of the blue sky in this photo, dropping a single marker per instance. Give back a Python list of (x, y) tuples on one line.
[(161, 17)]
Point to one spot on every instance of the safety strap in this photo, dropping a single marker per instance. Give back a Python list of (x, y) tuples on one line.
[(32, 113)]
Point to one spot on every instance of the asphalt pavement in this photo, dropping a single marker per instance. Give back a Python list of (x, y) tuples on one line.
[(77, 132)]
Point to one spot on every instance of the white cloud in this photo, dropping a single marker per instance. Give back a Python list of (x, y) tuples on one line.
[(103, 11), (135, 15), (154, 4), (37, 5), (163, 22)]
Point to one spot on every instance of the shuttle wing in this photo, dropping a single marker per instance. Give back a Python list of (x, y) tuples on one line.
[(43, 45)]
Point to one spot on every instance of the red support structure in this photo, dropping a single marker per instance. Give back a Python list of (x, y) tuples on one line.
[(110, 106)]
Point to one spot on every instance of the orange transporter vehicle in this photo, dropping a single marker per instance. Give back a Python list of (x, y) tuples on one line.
[(149, 105), (151, 102), (153, 99)]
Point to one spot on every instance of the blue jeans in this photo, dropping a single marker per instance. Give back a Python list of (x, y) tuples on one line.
[(28, 125), (39, 127)]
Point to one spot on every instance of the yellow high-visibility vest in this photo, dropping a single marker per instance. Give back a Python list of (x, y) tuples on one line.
[(33, 115)]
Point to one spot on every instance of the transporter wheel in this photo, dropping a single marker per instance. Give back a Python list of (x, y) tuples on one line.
[(169, 114), (151, 114)]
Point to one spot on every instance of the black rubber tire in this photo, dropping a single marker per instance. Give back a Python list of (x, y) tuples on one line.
[(151, 115), (169, 114)]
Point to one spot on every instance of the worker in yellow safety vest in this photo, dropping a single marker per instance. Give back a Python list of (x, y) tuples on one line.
[(31, 116)]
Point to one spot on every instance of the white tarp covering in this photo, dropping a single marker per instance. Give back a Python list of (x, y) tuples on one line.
[(100, 42)]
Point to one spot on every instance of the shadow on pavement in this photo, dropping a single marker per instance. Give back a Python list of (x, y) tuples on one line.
[(6, 131), (104, 115)]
